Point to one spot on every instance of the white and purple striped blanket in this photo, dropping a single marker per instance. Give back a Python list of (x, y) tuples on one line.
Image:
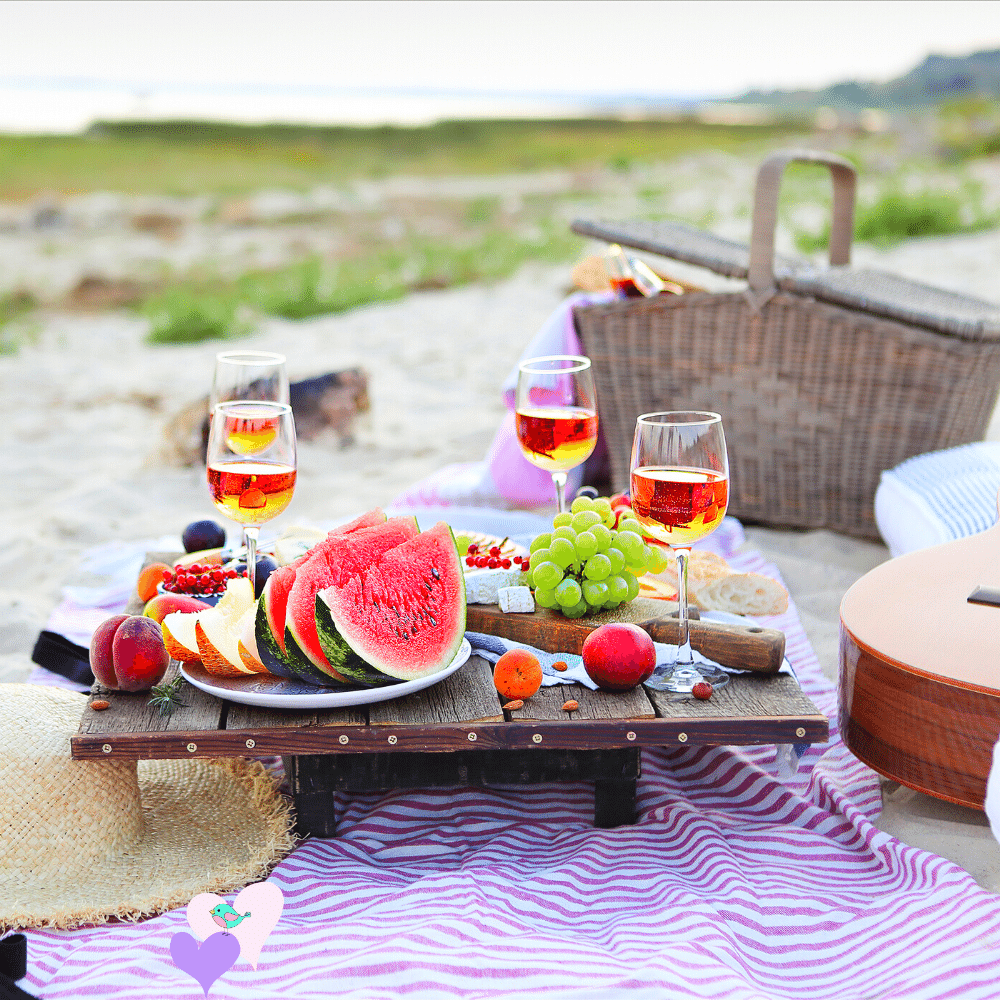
[(732, 884)]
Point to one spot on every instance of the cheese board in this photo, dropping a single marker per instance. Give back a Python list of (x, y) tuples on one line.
[(748, 647)]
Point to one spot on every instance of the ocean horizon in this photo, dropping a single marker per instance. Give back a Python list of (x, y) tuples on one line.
[(70, 106)]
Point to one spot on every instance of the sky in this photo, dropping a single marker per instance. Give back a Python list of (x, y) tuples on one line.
[(144, 51)]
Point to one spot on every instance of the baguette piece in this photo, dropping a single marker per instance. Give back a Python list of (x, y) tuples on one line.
[(714, 586), (744, 594)]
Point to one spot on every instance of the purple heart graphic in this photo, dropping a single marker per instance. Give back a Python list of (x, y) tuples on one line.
[(217, 955)]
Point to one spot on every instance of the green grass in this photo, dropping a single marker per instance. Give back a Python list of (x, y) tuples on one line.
[(14, 332), (897, 215), (213, 309), (215, 158)]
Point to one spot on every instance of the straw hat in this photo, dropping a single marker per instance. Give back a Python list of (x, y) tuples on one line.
[(84, 841)]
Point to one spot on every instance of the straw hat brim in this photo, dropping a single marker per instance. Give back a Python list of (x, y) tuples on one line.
[(208, 826)]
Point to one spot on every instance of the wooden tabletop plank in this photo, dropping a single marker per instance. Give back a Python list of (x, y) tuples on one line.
[(547, 704), (467, 696), (745, 696), (568, 735), (252, 717), (131, 713)]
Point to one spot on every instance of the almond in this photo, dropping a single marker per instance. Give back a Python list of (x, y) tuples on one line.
[(100, 705), (570, 706), (560, 665), (513, 706)]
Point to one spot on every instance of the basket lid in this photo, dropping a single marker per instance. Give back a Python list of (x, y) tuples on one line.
[(866, 290)]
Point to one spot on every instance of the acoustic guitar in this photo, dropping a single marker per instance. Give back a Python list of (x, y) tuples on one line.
[(920, 667)]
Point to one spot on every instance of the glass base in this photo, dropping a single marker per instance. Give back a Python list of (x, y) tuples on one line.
[(680, 680)]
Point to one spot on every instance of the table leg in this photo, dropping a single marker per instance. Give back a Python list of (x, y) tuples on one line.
[(614, 802), (314, 779)]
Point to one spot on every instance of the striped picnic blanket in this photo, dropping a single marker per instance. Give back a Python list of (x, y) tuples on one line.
[(733, 883)]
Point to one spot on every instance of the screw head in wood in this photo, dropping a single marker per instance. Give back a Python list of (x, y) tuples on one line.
[(342, 739), (682, 737), (251, 744), (473, 737), (192, 747), (536, 738), (800, 732), (393, 740), (630, 735), (106, 748)]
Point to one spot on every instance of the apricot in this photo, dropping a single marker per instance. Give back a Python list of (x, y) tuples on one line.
[(149, 579), (517, 674)]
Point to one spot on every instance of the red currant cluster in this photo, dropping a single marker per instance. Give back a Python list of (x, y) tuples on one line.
[(198, 579), (493, 559)]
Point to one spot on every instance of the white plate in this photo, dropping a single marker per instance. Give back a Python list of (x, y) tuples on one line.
[(266, 691)]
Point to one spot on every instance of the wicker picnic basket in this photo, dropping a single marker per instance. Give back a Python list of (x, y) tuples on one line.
[(824, 377)]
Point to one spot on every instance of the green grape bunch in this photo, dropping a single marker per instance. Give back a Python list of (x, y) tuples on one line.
[(585, 564)]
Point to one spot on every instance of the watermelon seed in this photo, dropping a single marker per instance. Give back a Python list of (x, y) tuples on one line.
[(433, 619), (434, 570)]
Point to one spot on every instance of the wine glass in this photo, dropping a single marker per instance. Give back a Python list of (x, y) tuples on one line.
[(556, 415), (251, 465), (248, 375), (680, 490)]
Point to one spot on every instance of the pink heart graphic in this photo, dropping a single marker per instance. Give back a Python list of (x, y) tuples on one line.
[(262, 902), (217, 955)]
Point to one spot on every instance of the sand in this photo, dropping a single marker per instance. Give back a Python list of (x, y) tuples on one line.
[(86, 405)]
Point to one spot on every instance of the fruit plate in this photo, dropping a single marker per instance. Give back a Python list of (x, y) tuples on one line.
[(266, 691)]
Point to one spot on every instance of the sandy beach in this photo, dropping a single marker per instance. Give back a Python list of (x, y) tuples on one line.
[(86, 404)]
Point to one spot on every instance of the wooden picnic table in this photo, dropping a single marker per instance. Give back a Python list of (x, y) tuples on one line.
[(455, 732)]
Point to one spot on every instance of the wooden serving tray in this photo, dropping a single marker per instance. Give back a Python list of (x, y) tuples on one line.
[(463, 711)]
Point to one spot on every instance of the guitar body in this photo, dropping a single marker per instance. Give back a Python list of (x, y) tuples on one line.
[(920, 668)]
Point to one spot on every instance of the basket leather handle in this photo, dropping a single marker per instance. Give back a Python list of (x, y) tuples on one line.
[(765, 211)]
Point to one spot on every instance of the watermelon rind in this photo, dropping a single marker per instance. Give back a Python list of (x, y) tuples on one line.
[(284, 662), (271, 654), (332, 562), (341, 656), (424, 577)]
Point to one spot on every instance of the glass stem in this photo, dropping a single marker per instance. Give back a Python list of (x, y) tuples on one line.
[(559, 478), (251, 535), (684, 655)]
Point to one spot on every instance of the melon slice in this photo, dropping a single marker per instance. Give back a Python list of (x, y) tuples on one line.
[(341, 557), (179, 637), (218, 630), (246, 645), (405, 613)]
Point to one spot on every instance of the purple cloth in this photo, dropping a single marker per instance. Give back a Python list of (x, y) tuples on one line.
[(733, 883)]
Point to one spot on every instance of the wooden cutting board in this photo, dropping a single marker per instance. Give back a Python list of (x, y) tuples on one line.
[(748, 647)]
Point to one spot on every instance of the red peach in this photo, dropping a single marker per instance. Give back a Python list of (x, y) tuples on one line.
[(159, 607), (618, 656), (101, 659), (140, 657)]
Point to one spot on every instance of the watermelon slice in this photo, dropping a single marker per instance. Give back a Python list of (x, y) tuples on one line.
[(405, 613), (344, 660), (332, 563), (276, 647), (282, 658), (369, 520)]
